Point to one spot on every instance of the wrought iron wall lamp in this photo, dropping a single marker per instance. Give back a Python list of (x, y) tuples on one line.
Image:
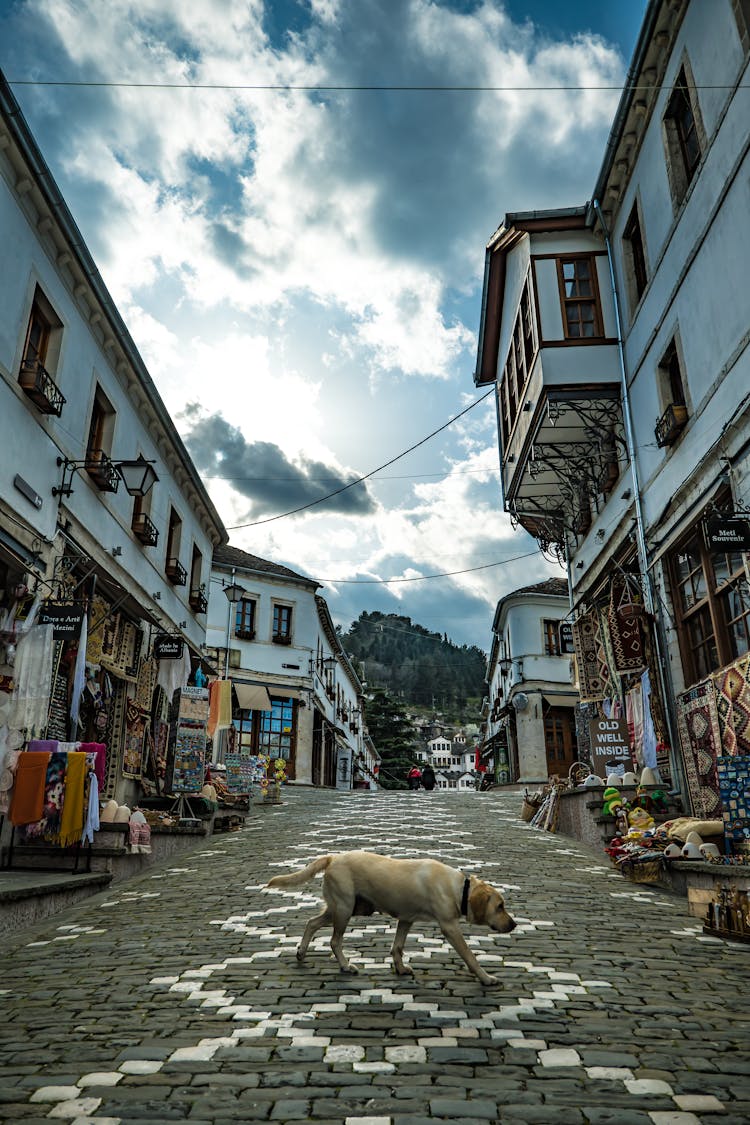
[(138, 476)]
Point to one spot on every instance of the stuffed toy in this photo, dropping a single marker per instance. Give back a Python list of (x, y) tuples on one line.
[(612, 801), (639, 819)]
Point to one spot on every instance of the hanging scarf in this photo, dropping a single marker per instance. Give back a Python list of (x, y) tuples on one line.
[(48, 825), (92, 811), (99, 749), (79, 674), (27, 803), (71, 821)]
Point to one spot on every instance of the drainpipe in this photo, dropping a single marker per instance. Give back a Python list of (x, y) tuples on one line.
[(667, 692)]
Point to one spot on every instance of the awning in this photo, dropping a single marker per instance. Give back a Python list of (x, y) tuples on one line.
[(252, 697), (556, 699)]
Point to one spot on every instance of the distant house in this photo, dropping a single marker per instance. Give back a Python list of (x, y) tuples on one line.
[(530, 729), (297, 695)]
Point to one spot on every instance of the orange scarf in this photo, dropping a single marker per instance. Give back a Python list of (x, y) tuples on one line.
[(27, 802), (220, 706)]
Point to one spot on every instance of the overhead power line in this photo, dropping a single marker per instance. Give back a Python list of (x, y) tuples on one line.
[(333, 88), (425, 577), (352, 483)]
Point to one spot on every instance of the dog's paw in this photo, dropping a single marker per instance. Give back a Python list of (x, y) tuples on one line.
[(490, 981), (404, 970), (349, 968), (300, 956)]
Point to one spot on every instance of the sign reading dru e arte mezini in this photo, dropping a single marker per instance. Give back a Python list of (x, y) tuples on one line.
[(610, 744)]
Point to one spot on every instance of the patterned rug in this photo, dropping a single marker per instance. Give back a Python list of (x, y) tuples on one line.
[(733, 705), (132, 747), (587, 645), (700, 739), (625, 634)]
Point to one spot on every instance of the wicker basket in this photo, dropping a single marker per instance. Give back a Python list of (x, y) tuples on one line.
[(643, 872), (529, 807)]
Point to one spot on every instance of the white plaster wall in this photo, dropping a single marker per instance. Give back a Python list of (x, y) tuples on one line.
[(31, 441)]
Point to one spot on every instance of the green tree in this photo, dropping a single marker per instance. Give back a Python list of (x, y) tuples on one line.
[(393, 737)]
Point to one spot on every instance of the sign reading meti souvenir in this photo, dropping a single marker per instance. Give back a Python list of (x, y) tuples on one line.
[(610, 744), (724, 534)]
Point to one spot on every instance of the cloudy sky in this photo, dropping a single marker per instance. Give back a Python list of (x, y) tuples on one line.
[(301, 268)]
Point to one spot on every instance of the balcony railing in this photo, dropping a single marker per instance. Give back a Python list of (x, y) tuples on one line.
[(37, 383), (281, 639), (145, 530), (244, 634), (176, 572), (198, 601), (671, 424), (102, 471)]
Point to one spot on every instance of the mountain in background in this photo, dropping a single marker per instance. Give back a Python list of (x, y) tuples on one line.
[(418, 668)]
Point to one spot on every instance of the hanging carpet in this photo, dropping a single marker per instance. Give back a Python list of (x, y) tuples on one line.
[(700, 739), (733, 705), (586, 640), (625, 631)]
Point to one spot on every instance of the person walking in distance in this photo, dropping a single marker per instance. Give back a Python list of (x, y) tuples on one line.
[(428, 778), (414, 777)]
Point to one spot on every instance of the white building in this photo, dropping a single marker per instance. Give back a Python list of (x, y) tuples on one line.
[(530, 731), (79, 413), (298, 696), (624, 397)]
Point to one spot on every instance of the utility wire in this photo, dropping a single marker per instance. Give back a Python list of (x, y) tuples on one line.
[(352, 483), (425, 577), (346, 88)]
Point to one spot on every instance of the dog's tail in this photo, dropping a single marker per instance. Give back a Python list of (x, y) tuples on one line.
[(297, 878)]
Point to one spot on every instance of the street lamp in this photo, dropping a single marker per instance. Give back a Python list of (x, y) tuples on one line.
[(234, 593), (137, 476)]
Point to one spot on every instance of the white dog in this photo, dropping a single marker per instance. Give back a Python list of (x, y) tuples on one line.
[(408, 889)]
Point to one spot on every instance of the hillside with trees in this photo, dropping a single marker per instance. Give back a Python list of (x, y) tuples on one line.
[(416, 667)]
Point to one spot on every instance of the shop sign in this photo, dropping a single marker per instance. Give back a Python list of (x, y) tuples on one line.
[(726, 534), (66, 620), (566, 637), (167, 648), (610, 745)]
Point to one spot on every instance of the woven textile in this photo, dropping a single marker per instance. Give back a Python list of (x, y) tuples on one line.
[(144, 689), (733, 706), (71, 822), (114, 736), (625, 633), (95, 640), (604, 654), (700, 739), (48, 826), (591, 685), (27, 802), (132, 747)]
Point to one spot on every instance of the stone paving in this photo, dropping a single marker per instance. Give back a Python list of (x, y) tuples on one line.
[(177, 996)]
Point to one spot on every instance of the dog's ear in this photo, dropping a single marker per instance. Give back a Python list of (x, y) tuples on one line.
[(479, 901)]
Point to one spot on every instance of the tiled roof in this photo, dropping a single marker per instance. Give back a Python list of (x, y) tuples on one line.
[(557, 587), (233, 556)]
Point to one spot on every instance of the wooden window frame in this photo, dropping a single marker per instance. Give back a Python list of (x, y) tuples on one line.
[(174, 534), (635, 257), (710, 608), (245, 618), (282, 616), (594, 300), (551, 637), (682, 165), (101, 425), (741, 9)]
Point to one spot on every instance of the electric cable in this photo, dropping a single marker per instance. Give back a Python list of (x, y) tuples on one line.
[(366, 476)]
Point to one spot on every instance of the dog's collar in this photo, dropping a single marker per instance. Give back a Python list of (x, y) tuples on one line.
[(465, 898)]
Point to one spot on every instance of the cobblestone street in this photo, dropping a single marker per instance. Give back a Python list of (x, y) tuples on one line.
[(177, 996)]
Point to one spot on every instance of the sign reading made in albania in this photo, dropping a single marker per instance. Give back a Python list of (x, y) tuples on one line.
[(167, 648), (610, 745)]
